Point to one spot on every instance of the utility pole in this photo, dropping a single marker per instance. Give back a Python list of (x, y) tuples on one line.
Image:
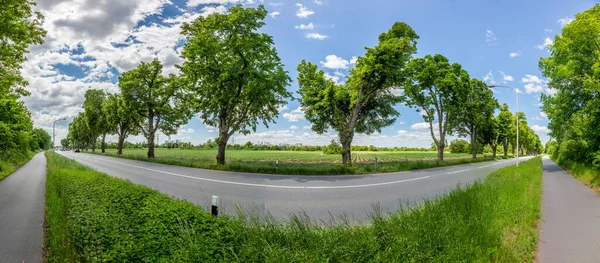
[(53, 133)]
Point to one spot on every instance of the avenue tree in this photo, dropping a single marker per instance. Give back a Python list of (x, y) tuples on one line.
[(95, 118), (155, 100), (477, 113), (122, 117), (365, 102), (440, 90), (573, 69), (233, 72), (80, 133), (506, 127)]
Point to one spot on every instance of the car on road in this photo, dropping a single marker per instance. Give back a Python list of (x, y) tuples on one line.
[(77, 150)]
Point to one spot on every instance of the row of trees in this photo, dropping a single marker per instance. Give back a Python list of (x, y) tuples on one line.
[(574, 72), (20, 27), (233, 77)]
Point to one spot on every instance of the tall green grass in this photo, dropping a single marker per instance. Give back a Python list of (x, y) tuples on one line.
[(9, 164), (92, 217), (301, 168)]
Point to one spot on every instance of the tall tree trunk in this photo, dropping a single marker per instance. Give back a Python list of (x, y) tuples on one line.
[(222, 145), (505, 146), (440, 155), (494, 150), (94, 145), (346, 141), (473, 143), (120, 145), (103, 142), (151, 145)]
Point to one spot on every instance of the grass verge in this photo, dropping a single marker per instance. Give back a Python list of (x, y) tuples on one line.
[(302, 168), (92, 217), (11, 163)]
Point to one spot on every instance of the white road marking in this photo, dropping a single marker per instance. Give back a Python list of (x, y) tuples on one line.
[(264, 185), (484, 166), (459, 171)]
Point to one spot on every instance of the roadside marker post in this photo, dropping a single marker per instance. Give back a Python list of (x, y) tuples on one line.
[(375, 163), (276, 165), (215, 205)]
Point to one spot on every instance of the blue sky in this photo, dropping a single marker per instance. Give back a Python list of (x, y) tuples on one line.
[(90, 43)]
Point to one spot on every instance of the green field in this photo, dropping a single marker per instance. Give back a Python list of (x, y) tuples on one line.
[(298, 163), (93, 217), (290, 156)]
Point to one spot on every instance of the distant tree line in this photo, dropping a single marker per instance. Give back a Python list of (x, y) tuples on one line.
[(20, 27), (233, 79)]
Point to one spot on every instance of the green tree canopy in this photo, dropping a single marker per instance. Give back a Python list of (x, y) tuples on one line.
[(573, 68), (122, 117), (95, 118), (365, 102), (477, 114), (235, 75), (440, 90), (155, 99)]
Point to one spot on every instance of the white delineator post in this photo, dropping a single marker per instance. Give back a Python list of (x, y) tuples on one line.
[(215, 205)]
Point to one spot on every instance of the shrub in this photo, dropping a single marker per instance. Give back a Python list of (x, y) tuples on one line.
[(572, 151), (333, 148), (460, 146)]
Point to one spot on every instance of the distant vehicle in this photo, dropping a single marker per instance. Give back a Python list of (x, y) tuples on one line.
[(77, 150)]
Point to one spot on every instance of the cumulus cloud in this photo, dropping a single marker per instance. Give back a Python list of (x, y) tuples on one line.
[(546, 44), (514, 54), (565, 21), (317, 36), (506, 78), (541, 129), (303, 12), (295, 115), (489, 78), (335, 62), (533, 84), (274, 14), (421, 126), (308, 26)]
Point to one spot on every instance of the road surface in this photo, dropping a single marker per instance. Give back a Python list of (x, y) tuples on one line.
[(570, 228), (321, 197), (22, 212)]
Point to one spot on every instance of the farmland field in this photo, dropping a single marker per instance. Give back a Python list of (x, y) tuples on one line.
[(298, 162), (289, 156)]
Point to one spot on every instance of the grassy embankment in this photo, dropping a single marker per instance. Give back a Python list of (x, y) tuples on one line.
[(299, 163), (9, 164), (92, 217)]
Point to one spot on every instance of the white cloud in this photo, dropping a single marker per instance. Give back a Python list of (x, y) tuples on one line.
[(186, 131), (282, 108), (506, 78), (565, 21), (402, 132), (303, 12), (295, 115), (308, 26), (353, 60), (335, 62), (546, 44), (490, 38), (317, 36), (274, 14), (515, 54), (533, 84), (276, 4), (421, 125), (538, 128), (489, 78), (335, 79), (548, 31), (307, 127), (318, 2), (194, 3), (544, 115), (293, 127)]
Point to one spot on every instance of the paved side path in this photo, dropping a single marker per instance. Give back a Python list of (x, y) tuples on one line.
[(570, 228), (22, 212)]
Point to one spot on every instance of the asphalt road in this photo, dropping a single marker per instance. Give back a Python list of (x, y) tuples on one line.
[(570, 229), (320, 197), (22, 212)]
